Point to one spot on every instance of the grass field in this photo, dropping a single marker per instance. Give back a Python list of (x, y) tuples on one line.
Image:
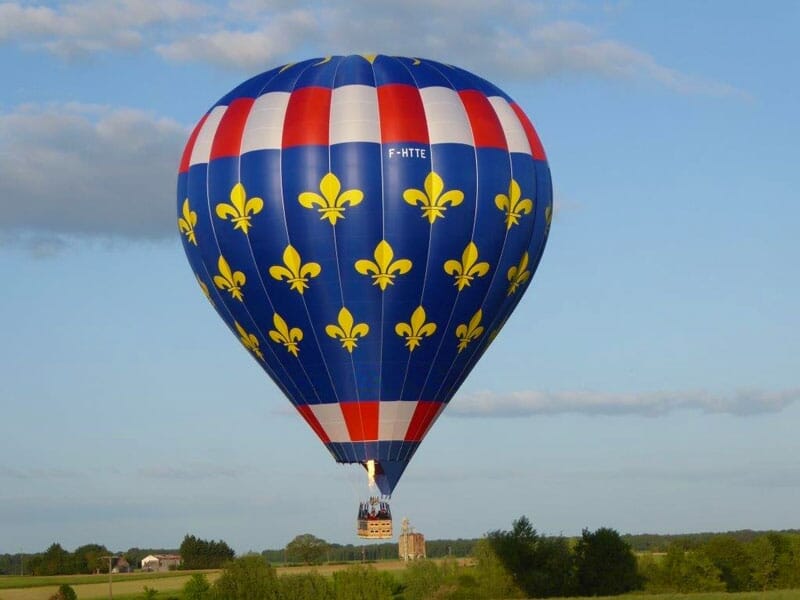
[(131, 587), (125, 586)]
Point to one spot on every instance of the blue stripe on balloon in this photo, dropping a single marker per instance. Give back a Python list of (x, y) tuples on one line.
[(354, 70), (393, 70)]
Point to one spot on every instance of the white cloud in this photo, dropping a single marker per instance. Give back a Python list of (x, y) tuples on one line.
[(251, 49), (509, 39), (69, 170), (529, 403), (74, 28)]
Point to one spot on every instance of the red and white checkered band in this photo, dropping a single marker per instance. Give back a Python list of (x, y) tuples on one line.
[(360, 113), (371, 421)]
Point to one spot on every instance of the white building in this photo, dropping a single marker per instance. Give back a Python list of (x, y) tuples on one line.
[(161, 562)]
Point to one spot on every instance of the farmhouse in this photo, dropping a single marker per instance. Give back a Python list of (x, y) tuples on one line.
[(121, 566), (161, 562)]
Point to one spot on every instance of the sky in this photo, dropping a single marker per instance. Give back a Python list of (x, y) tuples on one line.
[(649, 381)]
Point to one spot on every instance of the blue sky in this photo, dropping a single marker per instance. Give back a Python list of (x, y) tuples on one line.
[(648, 382)]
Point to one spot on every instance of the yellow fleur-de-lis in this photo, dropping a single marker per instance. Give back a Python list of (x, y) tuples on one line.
[(294, 272), (384, 268), (518, 274), (249, 341), (433, 201), (187, 221), (468, 269), (415, 329), (240, 209), (282, 334), (513, 207), (347, 331), (466, 332), (229, 280), (331, 203), (204, 289)]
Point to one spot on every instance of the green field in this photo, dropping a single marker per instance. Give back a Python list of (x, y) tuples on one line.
[(125, 586), (169, 585)]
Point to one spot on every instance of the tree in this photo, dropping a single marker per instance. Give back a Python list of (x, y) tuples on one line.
[(150, 593), (54, 561), (539, 566), (554, 574), (306, 549), (306, 586), (494, 578), (65, 592), (203, 554), (605, 564), (763, 563), (685, 571), (197, 588), (731, 558), (247, 578), (423, 578), (88, 558), (788, 563)]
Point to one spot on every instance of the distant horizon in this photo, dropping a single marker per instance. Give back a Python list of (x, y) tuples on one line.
[(647, 381), (427, 539)]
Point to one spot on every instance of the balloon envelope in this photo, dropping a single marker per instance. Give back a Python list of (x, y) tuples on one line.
[(365, 225)]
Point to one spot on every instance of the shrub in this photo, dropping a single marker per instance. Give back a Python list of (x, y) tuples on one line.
[(605, 564), (247, 578), (197, 588), (364, 583), (307, 586), (65, 592)]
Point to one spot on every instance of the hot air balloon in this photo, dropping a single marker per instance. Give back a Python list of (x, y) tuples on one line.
[(365, 225)]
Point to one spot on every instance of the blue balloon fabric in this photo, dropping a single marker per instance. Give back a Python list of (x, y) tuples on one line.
[(365, 225)]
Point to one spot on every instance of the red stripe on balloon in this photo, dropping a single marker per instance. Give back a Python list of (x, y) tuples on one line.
[(308, 116), (228, 137), (486, 127), (424, 415), (306, 412), (187, 151), (402, 114), (361, 419), (537, 150)]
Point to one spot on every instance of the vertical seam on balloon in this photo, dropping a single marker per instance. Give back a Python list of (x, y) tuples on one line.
[(339, 275), (443, 339), (255, 261), (289, 241), (391, 434), (383, 237), (428, 251), (224, 302), (213, 289), (509, 310), (479, 352)]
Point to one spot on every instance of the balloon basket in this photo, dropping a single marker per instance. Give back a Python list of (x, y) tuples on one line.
[(375, 519)]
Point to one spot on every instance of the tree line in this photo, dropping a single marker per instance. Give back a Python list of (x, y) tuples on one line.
[(725, 563), (660, 542), (84, 559), (338, 553), (518, 562)]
